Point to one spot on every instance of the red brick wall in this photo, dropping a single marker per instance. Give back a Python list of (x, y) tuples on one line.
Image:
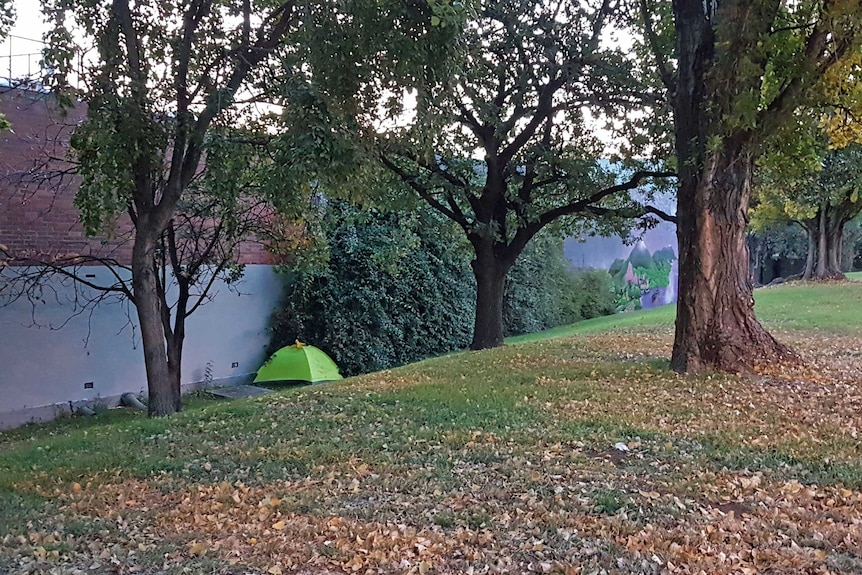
[(37, 215)]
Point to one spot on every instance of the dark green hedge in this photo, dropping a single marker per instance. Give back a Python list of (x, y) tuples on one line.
[(544, 291), (397, 287), (394, 290)]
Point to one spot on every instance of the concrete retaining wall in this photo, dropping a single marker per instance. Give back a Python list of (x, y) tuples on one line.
[(94, 358)]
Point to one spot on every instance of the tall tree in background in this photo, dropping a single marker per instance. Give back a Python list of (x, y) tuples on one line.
[(741, 70), (503, 146), (822, 201)]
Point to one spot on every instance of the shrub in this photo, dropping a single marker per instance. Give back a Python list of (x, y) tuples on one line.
[(395, 287), (543, 290), (393, 291)]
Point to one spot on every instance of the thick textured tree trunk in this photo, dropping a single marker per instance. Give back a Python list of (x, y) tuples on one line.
[(833, 249), (715, 326), (824, 247), (163, 389), (490, 274)]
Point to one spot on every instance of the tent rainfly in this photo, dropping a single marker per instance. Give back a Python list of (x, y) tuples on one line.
[(298, 362)]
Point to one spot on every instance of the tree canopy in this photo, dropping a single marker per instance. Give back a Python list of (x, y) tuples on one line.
[(184, 98), (503, 145)]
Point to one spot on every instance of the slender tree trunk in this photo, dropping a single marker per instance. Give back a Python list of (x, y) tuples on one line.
[(164, 395), (490, 274), (716, 328), (177, 338), (175, 363), (821, 270), (756, 259), (833, 248), (812, 250)]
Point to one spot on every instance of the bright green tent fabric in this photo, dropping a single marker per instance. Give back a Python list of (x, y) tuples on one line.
[(298, 362)]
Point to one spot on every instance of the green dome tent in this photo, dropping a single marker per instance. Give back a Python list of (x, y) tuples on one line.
[(298, 362)]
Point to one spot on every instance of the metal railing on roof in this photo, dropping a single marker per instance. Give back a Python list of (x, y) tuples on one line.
[(21, 63)]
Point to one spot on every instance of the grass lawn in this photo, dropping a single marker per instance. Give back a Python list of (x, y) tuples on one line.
[(500, 461)]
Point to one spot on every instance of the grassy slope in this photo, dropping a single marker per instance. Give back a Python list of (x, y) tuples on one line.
[(832, 307), (500, 458)]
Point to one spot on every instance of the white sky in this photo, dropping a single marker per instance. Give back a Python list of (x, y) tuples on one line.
[(20, 53), (25, 54)]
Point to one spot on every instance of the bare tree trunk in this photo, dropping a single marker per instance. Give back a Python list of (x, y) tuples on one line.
[(833, 248), (820, 271), (175, 362), (812, 250), (715, 325), (164, 394), (177, 336), (490, 274)]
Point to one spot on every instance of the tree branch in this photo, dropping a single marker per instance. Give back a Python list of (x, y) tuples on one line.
[(411, 180), (583, 204), (661, 62)]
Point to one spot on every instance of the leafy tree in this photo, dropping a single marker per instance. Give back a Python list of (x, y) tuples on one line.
[(200, 244), (504, 148), (162, 78), (739, 74), (822, 201), (841, 91)]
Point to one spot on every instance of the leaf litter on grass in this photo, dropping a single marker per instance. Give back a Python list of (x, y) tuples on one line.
[(723, 475)]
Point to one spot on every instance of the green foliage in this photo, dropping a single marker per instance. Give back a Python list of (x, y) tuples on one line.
[(394, 290), (651, 271), (544, 291), (793, 196), (658, 275)]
